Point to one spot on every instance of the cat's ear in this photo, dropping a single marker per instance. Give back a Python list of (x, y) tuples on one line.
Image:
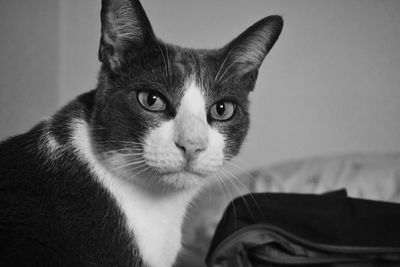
[(246, 52), (124, 25)]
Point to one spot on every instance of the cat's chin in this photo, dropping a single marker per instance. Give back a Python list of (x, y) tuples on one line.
[(182, 179)]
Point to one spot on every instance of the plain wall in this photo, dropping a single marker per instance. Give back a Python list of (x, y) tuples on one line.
[(330, 84), (29, 62)]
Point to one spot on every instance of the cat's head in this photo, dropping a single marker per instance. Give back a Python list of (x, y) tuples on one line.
[(170, 116)]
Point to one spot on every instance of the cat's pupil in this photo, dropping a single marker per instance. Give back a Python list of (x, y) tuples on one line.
[(151, 99), (220, 109)]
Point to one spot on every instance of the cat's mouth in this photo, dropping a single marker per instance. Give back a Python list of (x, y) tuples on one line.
[(181, 167), (183, 178), (185, 170)]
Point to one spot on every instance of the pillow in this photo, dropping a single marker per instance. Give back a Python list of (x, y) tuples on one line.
[(374, 177)]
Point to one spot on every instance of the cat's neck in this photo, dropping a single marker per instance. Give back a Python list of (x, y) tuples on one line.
[(153, 220)]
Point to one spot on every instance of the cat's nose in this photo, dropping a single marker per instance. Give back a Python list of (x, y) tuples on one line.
[(191, 149), (191, 135)]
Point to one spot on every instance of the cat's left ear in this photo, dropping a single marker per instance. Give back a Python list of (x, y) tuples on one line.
[(124, 25), (245, 53)]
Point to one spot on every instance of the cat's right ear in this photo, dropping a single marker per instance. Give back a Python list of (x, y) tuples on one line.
[(124, 25)]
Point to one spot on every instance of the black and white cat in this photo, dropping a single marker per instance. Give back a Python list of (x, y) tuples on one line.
[(106, 180)]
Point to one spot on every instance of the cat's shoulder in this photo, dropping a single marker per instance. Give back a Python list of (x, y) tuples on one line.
[(45, 151)]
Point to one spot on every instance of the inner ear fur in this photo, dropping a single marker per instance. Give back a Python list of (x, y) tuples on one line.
[(124, 24), (245, 54)]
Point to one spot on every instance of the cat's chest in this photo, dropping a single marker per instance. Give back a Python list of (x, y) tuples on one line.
[(154, 222)]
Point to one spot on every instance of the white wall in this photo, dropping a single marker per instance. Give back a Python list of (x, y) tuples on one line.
[(80, 36), (331, 84), (29, 61)]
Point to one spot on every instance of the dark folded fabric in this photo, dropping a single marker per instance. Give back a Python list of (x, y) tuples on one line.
[(273, 229)]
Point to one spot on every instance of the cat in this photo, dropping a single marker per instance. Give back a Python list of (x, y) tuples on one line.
[(107, 179)]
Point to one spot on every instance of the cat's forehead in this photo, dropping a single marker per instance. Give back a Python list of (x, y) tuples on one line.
[(170, 70), (193, 100), (189, 65)]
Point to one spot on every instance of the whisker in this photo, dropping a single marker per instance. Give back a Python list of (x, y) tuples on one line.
[(242, 197), (165, 62), (230, 65), (135, 149), (247, 189), (219, 183), (231, 200), (121, 141), (222, 65), (142, 163), (130, 154), (125, 149), (230, 175), (168, 64), (230, 161), (120, 154), (241, 169), (154, 174), (132, 145), (210, 193), (124, 152), (149, 167), (134, 171)]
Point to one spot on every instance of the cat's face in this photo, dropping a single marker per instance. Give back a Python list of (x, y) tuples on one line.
[(167, 115)]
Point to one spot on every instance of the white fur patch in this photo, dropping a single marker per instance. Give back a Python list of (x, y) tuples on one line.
[(213, 156), (154, 219), (49, 143), (193, 102), (160, 151)]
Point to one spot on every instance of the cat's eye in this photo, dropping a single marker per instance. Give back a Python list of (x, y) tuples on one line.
[(223, 110), (151, 100)]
